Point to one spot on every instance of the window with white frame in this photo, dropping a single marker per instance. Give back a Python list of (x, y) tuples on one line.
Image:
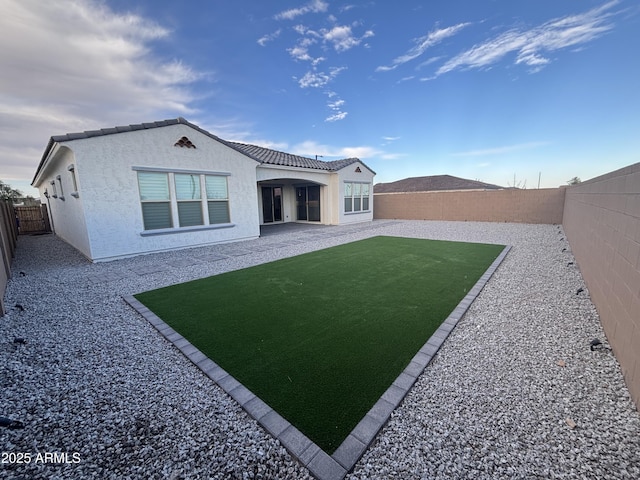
[(176, 200), (59, 178), (156, 200), (356, 196), (189, 199), (217, 199), (74, 181)]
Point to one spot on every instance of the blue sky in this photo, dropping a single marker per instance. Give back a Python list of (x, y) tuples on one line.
[(500, 91)]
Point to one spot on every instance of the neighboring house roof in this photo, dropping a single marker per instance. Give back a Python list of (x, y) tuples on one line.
[(432, 183), (259, 154)]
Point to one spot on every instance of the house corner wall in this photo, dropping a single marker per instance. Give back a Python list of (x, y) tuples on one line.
[(602, 224), (357, 173), (66, 211)]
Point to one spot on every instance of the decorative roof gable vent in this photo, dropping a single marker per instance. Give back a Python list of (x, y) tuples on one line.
[(358, 170), (184, 142)]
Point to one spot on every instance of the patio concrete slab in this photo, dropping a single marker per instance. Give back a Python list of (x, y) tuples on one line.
[(213, 257), (183, 262)]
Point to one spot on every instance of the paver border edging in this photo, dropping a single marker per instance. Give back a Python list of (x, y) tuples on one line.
[(322, 465)]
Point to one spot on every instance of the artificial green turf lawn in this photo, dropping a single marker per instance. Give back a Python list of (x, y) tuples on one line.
[(321, 336)]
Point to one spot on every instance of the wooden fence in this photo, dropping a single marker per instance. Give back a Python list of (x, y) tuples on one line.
[(32, 219), (8, 242)]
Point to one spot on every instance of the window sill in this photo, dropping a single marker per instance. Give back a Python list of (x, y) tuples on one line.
[(199, 228), (357, 213)]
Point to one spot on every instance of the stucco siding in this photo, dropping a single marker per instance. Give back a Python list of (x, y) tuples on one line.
[(350, 173), (109, 185), (66, 212)]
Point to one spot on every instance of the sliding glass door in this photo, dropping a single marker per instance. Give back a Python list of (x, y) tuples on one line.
[(308, 203), (271, 204)]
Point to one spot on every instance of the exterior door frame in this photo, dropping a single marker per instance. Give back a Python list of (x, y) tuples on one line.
[(308, 203), (272, 205)]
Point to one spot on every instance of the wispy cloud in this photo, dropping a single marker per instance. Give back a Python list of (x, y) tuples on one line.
[(336, 116), (315, 79), (301, 51), (533, 46), (392, 156), (361, 152), (428, 61), (262, 41), (314, 6), (315, 45), (312, 148), (422, 44), (335, 106), (500, 150), (342, 38)]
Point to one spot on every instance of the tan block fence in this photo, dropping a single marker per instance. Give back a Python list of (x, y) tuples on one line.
[(512, 205), (601, 218), (602, 224)]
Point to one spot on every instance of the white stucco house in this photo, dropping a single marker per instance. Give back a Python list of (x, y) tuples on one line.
[(166, 185)]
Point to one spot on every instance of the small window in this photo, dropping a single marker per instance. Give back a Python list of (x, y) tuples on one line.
[(217, 199), (348, 197), (357, 197), (365, 196), (74, 181), (55, 190), (189, 199), (155, 199), (59, 178)]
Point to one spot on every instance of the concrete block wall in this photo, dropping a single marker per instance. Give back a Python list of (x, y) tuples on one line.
[(518, 206), (602, 224), (601, 218)]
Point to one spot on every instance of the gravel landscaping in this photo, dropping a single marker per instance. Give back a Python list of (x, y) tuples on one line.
[(514, 392)]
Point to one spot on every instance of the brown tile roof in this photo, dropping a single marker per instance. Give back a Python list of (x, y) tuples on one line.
[(432, 183), (274, 157), (259, 154)]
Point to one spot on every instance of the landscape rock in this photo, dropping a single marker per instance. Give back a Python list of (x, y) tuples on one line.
[(96, 379)]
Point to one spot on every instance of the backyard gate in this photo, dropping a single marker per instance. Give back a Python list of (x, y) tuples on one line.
[(32, 219)]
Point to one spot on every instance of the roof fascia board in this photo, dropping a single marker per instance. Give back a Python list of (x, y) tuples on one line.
[(50, 152), (269, 166)]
